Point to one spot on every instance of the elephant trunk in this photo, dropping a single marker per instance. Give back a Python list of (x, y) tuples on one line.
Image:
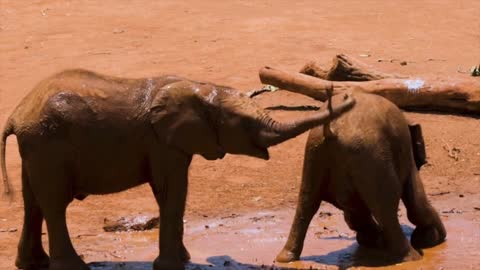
[(274, 132)]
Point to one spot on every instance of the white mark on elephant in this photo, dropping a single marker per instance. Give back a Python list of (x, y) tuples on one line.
[(212, 95), (414, 86), (150, 85), (148, 90)]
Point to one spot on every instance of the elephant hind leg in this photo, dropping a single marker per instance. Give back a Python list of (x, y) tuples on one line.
[(382, 199), (430, 230), (368, 232), (31, 254), (52, 188)]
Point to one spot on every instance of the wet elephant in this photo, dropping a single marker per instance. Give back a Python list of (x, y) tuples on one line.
[(82, 133), (365, 168)]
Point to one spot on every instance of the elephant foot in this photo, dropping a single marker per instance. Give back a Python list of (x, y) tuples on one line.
[(287, 256), (74, 263), (426, 237), (378, 257), (372, 239), (33, 262), (184, 255), (166, 264)]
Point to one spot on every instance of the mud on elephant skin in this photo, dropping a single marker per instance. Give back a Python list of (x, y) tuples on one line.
[(82, 133), (365, 169)]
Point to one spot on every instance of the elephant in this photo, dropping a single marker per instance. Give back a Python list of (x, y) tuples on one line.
[(83, 133), (364, 167)]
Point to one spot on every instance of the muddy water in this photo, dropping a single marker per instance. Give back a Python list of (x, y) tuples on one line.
[(251, 241)]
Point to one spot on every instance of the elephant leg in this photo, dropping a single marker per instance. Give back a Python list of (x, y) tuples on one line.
[(31, 254), (368, 232), (171, 197), (429, 229), (53, 190), (382, 200), (309, 200)]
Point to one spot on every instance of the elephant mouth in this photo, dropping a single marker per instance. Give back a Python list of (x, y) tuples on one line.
[(219, 155)]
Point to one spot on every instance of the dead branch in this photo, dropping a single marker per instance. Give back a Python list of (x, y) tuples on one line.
[(441, 95), (345, 68)]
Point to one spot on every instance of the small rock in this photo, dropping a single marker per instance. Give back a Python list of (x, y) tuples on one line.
[(118, 31), (227, 263), (403, 63), (44, 11), (461, 196), (267, 217), (140, 223), (207, 227), (452, 211), (233, 215)]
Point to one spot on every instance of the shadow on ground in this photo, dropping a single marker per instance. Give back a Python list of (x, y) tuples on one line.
[(213, 263), (351, 256)]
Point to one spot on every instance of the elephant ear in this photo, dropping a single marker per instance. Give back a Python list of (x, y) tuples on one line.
[(181, 120), (418, 145)]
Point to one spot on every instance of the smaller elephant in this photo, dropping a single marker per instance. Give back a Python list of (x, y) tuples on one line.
[(82, 133), (369, 163)]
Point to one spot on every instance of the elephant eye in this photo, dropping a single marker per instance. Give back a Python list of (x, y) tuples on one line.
[(214, 118)]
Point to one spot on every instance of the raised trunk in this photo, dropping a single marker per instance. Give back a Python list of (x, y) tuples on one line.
[(274, 132)]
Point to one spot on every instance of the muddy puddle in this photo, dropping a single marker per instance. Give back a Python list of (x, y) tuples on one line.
[(251, 241)]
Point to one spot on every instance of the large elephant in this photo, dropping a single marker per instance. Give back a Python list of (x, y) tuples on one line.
[(82, 133), (365, 168)]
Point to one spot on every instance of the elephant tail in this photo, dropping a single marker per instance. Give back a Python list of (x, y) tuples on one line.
[(7, 131)]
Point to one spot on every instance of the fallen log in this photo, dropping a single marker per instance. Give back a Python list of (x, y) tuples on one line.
[(345, 68), (451, 95)]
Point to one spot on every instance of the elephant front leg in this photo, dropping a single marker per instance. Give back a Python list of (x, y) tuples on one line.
[(430, 230), (171, 195), (382, 201)]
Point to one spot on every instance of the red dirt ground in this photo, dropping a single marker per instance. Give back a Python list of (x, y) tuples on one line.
[(226, 42)]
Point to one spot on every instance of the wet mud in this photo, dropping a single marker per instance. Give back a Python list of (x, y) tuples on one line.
[(251, 241)]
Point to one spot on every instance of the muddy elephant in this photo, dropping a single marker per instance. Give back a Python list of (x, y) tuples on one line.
[(364, 166), (81, 133)]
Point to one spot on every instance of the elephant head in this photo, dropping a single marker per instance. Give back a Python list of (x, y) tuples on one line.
[(211, 120)]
